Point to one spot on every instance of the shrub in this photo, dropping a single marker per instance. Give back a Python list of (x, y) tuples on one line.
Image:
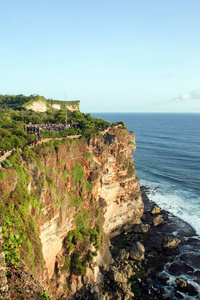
[(78, 173), (2, 175)]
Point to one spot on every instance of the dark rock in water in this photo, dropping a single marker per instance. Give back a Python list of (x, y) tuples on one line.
[(170, 241), (137, 251), (163, 279), (178, 268), (141, 228), (197, 274), (192, 259), (189, 289), (178, 295)]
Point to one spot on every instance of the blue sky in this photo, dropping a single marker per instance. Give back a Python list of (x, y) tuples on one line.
[(128, 56)]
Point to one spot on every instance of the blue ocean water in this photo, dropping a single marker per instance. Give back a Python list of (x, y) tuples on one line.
[(167, 159)]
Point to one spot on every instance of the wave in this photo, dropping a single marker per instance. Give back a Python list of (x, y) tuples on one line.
[(180, 203)]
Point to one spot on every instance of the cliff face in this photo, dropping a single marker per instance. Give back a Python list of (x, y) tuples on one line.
[(42, 105), (78, 192)]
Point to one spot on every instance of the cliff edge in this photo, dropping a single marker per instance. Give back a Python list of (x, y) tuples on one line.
[(61, 201)]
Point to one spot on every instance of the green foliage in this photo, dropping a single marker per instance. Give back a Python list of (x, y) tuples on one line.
[(75, 201), (22, 174), (77, 264), (81, 219), (45, 296), (55, 171), (89, 156), (50, 182), (11, 245), (15, 208), (71, 246), (121, 160), (2, 175), (88, 185), (6, 164), (131, 170), (66, 265), (78, 173), (64, 175)]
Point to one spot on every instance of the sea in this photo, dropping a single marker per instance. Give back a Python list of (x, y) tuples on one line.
[(167, 159)]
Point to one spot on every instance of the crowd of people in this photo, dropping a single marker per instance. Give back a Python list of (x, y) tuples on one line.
[(50, 127)]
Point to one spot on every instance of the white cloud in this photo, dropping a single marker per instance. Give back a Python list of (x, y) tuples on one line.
[(195, 94)]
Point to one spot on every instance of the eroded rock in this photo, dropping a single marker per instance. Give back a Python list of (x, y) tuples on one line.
[(156, 220), (155, 209), (170, 241), (137, 251)]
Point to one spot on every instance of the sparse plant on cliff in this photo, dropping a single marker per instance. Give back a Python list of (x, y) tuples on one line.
[(3, 175), (88, 185), (45, 296), (64, 175), (121, 160), (130, 170), (50, 182), (55, 171), (78, 173), (89, 156), (11, 245)]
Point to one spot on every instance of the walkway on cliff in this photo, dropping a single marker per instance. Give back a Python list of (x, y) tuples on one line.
[(45, 140), (3, 157)]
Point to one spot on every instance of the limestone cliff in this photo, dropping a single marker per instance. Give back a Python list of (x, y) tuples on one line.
[(65, 198)]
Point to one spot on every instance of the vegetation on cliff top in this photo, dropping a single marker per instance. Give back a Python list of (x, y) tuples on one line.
[(13, 125), (20, 102)]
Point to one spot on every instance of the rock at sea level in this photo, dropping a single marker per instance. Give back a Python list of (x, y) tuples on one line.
[(157, 220), (155, 210), (170, 241), (137, 251)]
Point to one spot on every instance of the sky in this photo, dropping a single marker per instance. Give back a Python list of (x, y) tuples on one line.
[(112, 55)]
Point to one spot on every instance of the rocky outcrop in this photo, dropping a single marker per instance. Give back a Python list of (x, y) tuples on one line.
[(73, 194), (42, 105)]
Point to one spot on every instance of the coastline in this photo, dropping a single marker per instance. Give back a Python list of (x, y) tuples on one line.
[(163, 266), (164, 273)]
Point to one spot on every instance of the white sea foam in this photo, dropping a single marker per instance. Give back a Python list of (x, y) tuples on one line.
[(179, 203)]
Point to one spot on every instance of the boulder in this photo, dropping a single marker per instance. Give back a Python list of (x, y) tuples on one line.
[(185, 287), (85, 279), (128, 270), (178, 268), (155, 209), (156, 220), (123, 254), (141, 228), (181, 283), (137, 251), (116, 276), (170, 241)]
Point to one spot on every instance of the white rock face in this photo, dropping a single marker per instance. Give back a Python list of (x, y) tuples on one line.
[(38, 106), (52, 234), (56, 106)]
